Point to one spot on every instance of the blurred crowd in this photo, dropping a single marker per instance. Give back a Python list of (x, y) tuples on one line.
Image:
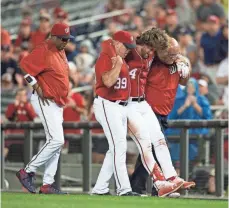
[(200, 26)]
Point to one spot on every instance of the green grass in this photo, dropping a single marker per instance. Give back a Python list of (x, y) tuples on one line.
[(20, 200)]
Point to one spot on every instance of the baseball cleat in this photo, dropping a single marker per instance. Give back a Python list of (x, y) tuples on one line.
[(50, 189), (186, 184), (104, 194), (27, 180), (174, 195), (130, 193), (165, 187)]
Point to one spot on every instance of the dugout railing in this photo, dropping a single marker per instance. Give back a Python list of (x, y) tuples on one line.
[(184, 125)]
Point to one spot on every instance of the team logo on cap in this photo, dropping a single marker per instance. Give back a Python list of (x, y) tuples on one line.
[(66, 30)]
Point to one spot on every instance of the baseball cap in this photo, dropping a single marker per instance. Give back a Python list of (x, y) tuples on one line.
[(62, 14), (126, 38), (184, 31), (202, 83), (44, 16), (61, 30), (213, 18)]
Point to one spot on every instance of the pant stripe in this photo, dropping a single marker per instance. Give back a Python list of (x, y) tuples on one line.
[(141, 151), (113, 144), (48, 133)]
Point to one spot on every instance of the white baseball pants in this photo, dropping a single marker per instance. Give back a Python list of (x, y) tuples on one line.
[(141, 111), (113, 119), (52, 118)]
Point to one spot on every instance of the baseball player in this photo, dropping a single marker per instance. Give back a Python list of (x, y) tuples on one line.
[(144, 145), (139, 111), (46, 70), (112, 93), (167, 71)]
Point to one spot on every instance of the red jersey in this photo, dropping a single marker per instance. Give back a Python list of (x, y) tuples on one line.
[(161, 87), (71, 114), (22, 112), (138, 71), (50, 67), (121, 89)]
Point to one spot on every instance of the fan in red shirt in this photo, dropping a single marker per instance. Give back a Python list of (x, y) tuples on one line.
[(19, 111), (74, 108), (42, 32)]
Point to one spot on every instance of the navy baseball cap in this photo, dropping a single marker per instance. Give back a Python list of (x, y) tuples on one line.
[(184, 31)]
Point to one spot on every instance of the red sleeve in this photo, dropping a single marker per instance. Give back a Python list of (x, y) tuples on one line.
[(10, 111), (30, 111), (34, 63), (78, 98), (103, 64)]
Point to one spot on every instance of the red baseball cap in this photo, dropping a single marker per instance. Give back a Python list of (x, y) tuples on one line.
[(126, 38), (62, 14), (61, 30), (213, 18)]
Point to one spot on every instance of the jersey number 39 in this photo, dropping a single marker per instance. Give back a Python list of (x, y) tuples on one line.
[(121, 83)]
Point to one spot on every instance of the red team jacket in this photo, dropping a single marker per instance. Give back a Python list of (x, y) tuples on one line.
[(161, 87), (50, 67), (121, 89)]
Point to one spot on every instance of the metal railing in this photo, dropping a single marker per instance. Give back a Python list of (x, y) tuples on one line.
[(219, 125)]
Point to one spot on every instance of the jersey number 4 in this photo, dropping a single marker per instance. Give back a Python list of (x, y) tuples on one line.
[(132, 73), (121, 83)]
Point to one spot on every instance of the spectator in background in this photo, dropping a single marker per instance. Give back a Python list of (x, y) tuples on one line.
[(9, 65), (160, 15), (71, 50), (61, 16), (195, 4), (189, 48), (183, 7), (213, 95), (172, 27), (21, 110), (5, 37), (223, 46), (74, 108), (42, 32), (191, 106), (209, 43), (24, 34), (206, 9), (7, 85), (203, 87), (85, 61), (222, 79)]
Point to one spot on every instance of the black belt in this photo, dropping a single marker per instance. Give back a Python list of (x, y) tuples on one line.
[(140, 99), (123, 103)]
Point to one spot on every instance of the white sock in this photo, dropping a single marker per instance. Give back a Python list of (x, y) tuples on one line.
[(164, 158)]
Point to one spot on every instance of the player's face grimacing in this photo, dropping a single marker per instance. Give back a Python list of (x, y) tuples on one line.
[(168, 56), (146, 51), (122, 50)]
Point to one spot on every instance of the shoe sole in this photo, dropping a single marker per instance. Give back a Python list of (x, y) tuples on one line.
[(188, 187), (19, 178), (174, 190)]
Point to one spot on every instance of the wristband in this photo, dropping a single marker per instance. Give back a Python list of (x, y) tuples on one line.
[(30, 79)]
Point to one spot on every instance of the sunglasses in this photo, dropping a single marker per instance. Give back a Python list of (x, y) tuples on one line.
[(64, 39)]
